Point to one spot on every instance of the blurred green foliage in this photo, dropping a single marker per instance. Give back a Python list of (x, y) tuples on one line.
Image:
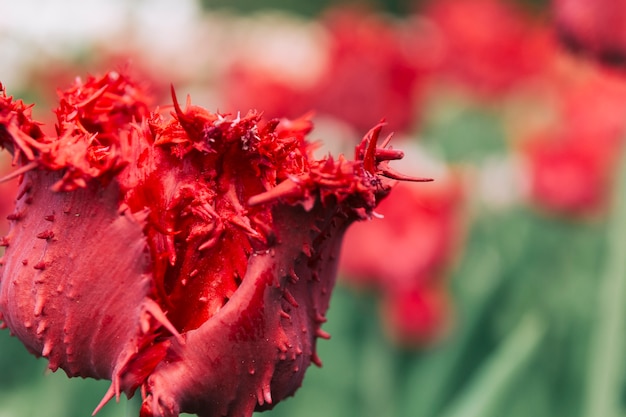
[(315, 8)]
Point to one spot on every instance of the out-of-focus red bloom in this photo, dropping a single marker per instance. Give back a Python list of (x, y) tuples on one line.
[(249, 87), (190, 255), (371, 73), (407, 253), (278, 72), (417, 315), (567, 176), (594, 28), (571, 162), (592, 105), (418, 235), (488, 46)]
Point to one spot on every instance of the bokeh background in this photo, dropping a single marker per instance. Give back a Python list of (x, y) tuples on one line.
[(498, 289)]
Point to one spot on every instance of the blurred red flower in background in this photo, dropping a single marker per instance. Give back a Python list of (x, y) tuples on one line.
[(488, 46), (417, 315), (273, 65), (568, 174), (572, 160), (407, 256), (368, 72), (254, 88), (594, 28), (371, 72), (192, 256)]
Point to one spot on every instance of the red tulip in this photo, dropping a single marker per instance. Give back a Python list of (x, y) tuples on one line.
[(192, 256)]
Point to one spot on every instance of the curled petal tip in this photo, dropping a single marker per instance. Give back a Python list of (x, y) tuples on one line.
[(388, 154), (371, 139), (105, 399), (395, 175), (21, 170), (285, 189), (177, 108)]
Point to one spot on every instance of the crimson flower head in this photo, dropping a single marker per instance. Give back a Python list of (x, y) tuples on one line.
[(191, 255)]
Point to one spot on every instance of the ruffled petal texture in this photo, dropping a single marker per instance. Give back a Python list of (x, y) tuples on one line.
[(186, 253)]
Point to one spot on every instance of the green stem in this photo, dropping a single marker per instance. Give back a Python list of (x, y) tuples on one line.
[(484, 391), (607, 341), (377, 384)]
